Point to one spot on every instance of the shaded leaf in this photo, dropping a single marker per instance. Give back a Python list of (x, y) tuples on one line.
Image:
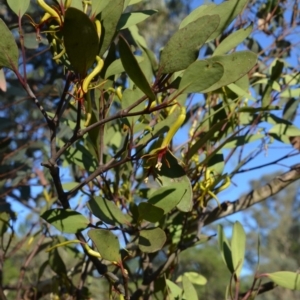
[(80, 39), (107, 211), (56, 263), (235, 65), (106, 243), (133, 69), (200, 75), (238, 247), (289, 280), (151, 240), (109, 18), (150, 212), (66, 220), (225, 249), (282, 132), (9, 53), (182, 48)]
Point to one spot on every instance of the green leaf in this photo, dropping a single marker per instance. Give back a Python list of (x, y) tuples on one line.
[(31, 42), (286, 279), (80, 39), (225, 249), (4, 222), (150, 212), (282, 132), (98, 6), (56, 263), (200, 75), (236, 65), (238, 247), (19, 7), (107, 211), (109, 18), (290, 109), (133, 69), (233, 40), (189, 291), (116, 66), (166, 198), (133, 18), (151, 240), (106, 243), (193, 277), (176, 176), (227, 11), (242, 140), (182, 48), (175, 290), (276, 69), (9, 53), (66, 220)]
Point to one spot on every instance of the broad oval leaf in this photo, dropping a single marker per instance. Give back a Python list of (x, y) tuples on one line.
[(19, 7), (107, 211), (200, 75), (238, 247), (235, 65), (283, 132), (80, 39), (133, 69), (66, 220), (150, 212), (175, 290), (182, 49), (9, 53), (194, 278), (106, 243), (151, 240), (289, 280)]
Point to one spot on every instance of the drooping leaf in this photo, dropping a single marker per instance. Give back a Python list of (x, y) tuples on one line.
[(182, 48), (80, 39), (133, 69), (133, 18), (106, 243), (225, 249), (19, 7), (233, 40), (109, 18), (66, 220), (9, 53), (235, 65), (56, 263), (238, 247), (289, 280), (200, 75), (151, 240), (290, 109), (150, 212), (107, 211)]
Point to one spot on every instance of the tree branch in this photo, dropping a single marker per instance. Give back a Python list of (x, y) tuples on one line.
[(255, 196)]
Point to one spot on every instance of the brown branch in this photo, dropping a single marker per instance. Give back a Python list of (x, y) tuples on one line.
[(255, 196)]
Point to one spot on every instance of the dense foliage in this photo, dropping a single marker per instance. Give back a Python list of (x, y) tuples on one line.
[(116, 145)]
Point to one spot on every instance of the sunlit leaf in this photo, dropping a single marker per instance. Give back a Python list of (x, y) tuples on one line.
[(289, 280), (19, 7), (133, 18)]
